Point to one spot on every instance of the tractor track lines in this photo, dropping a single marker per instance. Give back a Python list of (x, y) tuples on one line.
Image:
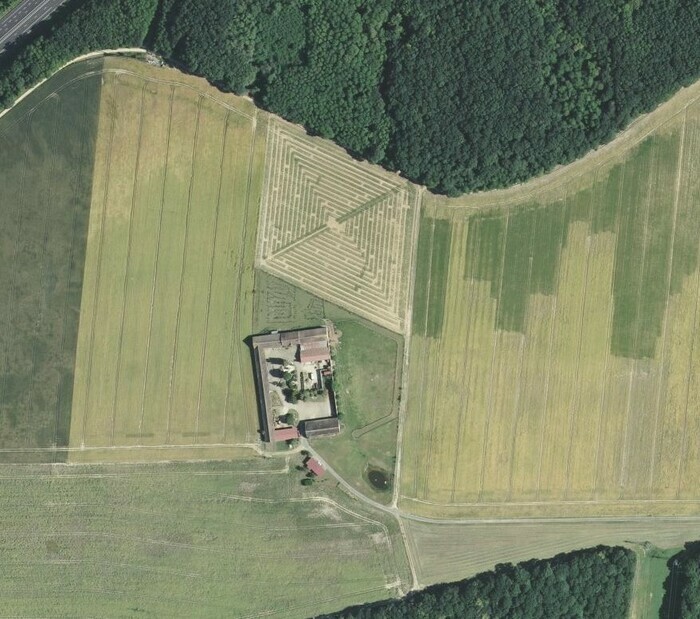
[(689, 375), (173, 358), (214, 236), (156, 264), (134, 192), (660, 390), (494, 351), (576, 392), (98, 269), (235, 345), (625, 436)]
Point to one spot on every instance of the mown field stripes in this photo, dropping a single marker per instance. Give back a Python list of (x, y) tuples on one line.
[(564, 369), (161, 355), (335, 227)]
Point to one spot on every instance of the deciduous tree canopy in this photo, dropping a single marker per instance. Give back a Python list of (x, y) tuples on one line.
[(459, 96), (588, 583)]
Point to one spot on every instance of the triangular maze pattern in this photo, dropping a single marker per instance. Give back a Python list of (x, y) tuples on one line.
[(336, 227)]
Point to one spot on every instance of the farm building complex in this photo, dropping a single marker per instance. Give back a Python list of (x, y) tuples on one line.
[(294, 374)]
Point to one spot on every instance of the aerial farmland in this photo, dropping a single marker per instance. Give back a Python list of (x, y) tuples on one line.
[(509, 374), (554, 341)]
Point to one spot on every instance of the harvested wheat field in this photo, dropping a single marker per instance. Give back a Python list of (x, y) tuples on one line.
[(167, 298), (340, 229), (556, 349)]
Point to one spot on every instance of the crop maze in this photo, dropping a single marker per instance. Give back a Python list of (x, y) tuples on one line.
[(335, 227)]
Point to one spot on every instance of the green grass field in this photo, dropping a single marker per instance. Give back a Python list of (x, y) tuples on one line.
[(203, 540), (648, 586), (554, 355), (46, 160), (167, 302), (368, 374)]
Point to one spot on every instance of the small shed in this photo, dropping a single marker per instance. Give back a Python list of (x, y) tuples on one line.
[(285, 434), (314, 466)]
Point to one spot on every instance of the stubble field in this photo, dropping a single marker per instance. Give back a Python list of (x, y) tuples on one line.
[(339, 229), (555, 346), (167, 300)]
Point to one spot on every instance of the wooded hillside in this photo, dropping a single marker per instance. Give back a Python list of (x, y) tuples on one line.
[(459, 96), (588, 583)]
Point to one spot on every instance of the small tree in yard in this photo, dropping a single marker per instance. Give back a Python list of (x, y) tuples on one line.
[(307, 481), (292, 417)]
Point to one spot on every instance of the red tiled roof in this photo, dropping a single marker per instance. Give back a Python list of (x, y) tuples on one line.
[(285, 434), (312, 356), (315, 467)]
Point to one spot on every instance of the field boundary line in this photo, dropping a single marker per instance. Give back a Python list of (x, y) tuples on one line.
[(669, 275), (427, 340), (134, 191), (173, 358), (505, 504), (402, 410), (98, 269), (423, 354), (235, 346), (156, 262), (205, 336), (245, 385)]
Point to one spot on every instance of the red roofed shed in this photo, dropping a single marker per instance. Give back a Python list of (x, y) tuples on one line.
[(314, 351), (285, 434), (315, 466)]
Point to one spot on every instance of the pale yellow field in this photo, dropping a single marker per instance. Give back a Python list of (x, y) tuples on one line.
[(167, 298), (446, 552), (550, 418), (338, 228)]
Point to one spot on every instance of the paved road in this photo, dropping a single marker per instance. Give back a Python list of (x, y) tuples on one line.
[(24, 17)]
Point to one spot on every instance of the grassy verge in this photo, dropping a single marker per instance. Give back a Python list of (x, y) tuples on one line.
[(188, 540), (648, 586), (46, 158)]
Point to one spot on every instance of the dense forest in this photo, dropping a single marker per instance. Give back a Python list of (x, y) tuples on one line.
[(457, 95), (682, 597), (588, 583)]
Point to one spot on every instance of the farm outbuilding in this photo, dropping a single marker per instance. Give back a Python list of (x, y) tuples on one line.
[(305, 356), (314, 466), (328, 426), (285, 434)]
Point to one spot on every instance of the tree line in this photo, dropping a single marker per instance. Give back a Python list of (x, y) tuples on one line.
[(595, 582), (458, 96)]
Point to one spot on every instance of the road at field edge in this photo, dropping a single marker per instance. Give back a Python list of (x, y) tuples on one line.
[(23, 18)]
